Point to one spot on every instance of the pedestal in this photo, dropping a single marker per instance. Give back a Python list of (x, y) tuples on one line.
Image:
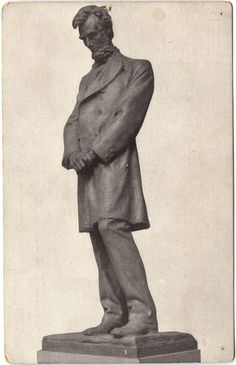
[(153, 347)]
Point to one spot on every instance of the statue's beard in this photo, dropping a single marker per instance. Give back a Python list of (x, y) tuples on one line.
[(102, 52)]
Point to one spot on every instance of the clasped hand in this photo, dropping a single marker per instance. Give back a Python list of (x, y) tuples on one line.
[(82, 160)]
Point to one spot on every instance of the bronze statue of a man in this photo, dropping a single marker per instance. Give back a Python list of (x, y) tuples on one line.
[(99, 140)]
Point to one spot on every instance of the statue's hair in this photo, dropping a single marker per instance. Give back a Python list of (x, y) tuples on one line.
[(100, 12)]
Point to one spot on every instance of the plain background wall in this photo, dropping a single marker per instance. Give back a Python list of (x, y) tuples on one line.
[(185, 149)]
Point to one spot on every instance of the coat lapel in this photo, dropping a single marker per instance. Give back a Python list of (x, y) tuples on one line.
[(82, 89), (111, 69)]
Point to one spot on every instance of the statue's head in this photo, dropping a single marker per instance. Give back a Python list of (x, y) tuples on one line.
[(95, 29)]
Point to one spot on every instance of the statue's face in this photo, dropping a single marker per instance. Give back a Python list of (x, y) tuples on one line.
[(95, 37)]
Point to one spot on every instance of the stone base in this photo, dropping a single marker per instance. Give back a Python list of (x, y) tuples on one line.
[(51, 357), (153, 347)]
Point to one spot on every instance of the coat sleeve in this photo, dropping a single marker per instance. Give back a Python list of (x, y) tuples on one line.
[(129, 113), (71, 138)]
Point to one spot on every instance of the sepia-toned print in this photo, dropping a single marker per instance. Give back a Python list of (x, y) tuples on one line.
[(118, 157)]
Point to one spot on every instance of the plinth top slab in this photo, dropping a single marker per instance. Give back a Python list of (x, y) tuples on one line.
[(129, 346), (152, 338)]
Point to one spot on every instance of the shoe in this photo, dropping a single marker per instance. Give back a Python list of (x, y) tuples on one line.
[(102, 328), (133, 328)]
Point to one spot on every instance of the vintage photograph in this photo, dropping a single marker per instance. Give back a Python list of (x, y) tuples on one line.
[(118, 182)]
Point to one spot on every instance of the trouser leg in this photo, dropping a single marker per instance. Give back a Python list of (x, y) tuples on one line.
[(111, 295), (129, 270)]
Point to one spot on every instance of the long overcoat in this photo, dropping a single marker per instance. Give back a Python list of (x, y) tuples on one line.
[(110, 109)]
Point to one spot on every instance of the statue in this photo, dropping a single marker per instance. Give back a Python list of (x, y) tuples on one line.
[(99, 144), (99, 140)]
